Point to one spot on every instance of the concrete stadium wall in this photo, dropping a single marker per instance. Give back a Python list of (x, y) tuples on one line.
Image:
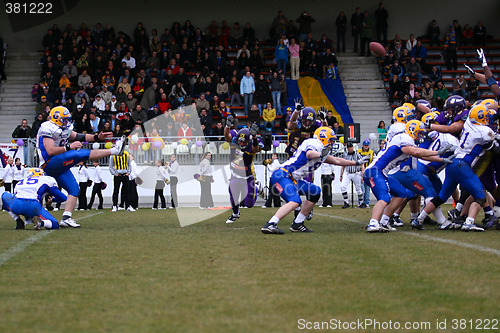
[(123, 15)]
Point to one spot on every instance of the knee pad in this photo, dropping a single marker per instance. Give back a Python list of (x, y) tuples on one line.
[(481, 201), (437, 201), (314, 198)]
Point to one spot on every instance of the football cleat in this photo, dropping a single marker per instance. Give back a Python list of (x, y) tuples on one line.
[(299, 227), (19, 224), (395, 221), (449, 226), (453, 214), (429, 221), (233, 218), (373, 227), (271, 228), (387, 227), (489, 221), (416, 225), (346, 205), (471, 227), (38, 223), (363, 205), (69, 222), (460, 219), (120, 146)]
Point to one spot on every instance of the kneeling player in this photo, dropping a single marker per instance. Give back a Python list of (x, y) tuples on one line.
[(27, 200), (288, 179)]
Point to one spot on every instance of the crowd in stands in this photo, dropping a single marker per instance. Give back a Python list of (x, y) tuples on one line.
[(411, 77), (109, 78)]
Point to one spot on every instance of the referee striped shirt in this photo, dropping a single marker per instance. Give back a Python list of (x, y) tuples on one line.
[(352, 157), (119, 164)]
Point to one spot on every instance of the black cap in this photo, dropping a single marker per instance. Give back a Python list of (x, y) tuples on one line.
[(349, 144)]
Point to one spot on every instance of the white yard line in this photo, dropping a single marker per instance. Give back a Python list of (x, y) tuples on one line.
[(420, 235), (21, 246)]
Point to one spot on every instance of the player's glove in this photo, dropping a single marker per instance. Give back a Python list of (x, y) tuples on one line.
[(470, 70), (363, 160), (253, 130), (445, 149), (497, 136), (298, 104), (481, 58), (448, 160), (322, 113), (230, 121)]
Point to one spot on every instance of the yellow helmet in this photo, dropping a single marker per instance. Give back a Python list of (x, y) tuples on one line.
[(60, 116), (490, 103), (416, 129), (325, 134), (410, 106), (36, 172), (402, 114), (429, 118), (481, 115)]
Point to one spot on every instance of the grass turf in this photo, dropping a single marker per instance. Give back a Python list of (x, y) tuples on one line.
[(142, 272)]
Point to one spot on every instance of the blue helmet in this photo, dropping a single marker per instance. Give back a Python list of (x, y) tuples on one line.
[(307, 117), (454, 105), (424, 102), (366, 142), (244, 137)]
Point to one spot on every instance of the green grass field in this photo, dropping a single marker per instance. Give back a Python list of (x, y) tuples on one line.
[(142, 272)]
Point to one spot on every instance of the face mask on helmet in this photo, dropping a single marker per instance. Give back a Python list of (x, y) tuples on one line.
[(307, 117), (244, 138), (326, 135), (454, 105), (416, 130)]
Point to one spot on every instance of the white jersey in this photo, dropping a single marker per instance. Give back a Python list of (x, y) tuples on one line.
[(18, 172), (50, 130), (394, 130), (34, 187), (474, 139), (392, 156), (299, 165), (442, 140)]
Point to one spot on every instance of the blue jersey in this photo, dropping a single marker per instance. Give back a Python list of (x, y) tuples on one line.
[(440, 140), (390, 158)]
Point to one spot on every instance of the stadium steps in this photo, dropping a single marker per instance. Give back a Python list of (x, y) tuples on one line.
[(21, 69), (365, 92)]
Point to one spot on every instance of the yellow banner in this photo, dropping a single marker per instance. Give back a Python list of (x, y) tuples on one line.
[(313, 96)]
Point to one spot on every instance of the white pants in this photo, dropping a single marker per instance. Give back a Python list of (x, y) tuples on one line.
[(347, 178), (295, 68)]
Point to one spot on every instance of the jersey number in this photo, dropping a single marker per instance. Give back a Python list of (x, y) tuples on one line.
[(29, 181), (464, 138)]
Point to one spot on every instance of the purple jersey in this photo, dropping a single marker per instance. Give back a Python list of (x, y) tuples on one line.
[(298, 135), (241, 160), (442, 120)]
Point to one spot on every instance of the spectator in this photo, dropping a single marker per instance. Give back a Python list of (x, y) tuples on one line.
[(71, 71), (279, 26), (202, 103), (434, 33), (459, 86), (249, 33), (218, 131), (404, 60), (467, 35), (139, 115), (129, 61), (440, 95), (381, 130), (330, 118), (450, 47), (222, 89), (339, 130), (397, 70), (224, 112), (411, 43), (36, 124), (234, 91), (124, 85), (480, 34), (366, 33), (419, 52), (427, 92), (276, 92), (106, 94), (435, 76), (99, 103), (120, 94), (64, 81), (262, 92), (284, 90), (138, 88), (414, 70), (131, 101), (381, 16), (23, 131), (206, 121), (154, 112), (97, 188), (281, 56), (458, 31), (84, 79), (214, 105), (356, 26), (184, 131), (254, 115), (269, 116), (314, 65), (472, 89), (95, 122), (205, 173), (247, 89), (149, 98), (341, 24), (294, 49), (304, 20), (210, 88)]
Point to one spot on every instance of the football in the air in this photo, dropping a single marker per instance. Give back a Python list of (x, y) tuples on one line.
[(377, 49)]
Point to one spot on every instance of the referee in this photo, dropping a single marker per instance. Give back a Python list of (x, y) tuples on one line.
[(119, 167), (366, 151), (350, 174)]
